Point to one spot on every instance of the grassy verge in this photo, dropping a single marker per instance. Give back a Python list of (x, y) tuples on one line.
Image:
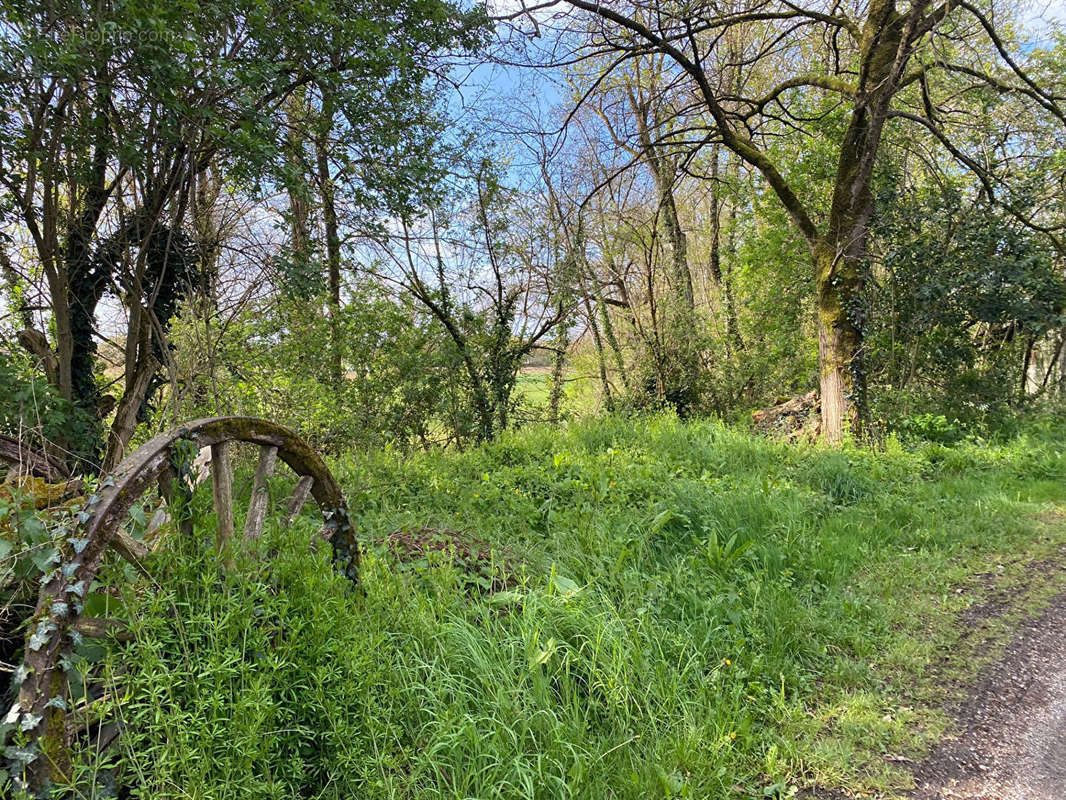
[(629, 610)]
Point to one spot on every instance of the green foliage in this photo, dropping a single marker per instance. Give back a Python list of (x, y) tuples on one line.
[(33, 411), (931, 427), (695, 609), (779, 358), (116, 114), (965, 291), (274, 360), (260, 686), (373, 58)]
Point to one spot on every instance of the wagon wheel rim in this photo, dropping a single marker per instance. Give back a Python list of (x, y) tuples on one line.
[(41, 707)]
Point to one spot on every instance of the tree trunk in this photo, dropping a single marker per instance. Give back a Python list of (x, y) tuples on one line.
[(840, 258), (1026, 363), (333, 242), (601, 360), (209, 239), (128, 407), (842, 379), (664, 173), (297, 114), (84, 288), (589, 277), (723, 277), (558, 374), (678, 246)]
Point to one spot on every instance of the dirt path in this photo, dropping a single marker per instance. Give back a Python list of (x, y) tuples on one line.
[(1011, 742)]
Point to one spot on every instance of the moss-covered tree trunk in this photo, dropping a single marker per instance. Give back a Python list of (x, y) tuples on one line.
[(842, 381), (840, 256)]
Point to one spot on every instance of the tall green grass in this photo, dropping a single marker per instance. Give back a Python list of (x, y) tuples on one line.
[(695, 613)]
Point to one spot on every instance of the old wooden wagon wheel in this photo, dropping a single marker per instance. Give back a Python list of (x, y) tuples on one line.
[(162, 464)]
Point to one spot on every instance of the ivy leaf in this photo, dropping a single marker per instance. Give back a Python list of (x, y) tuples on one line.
[(41, 635), (32, 530), (44, 558), (21, 755), (30, 721)]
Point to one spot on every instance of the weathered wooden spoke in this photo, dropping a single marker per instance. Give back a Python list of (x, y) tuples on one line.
[(222, 485), (164, 464), (299, 497), (133, 550), (257, 506), (101, 628)]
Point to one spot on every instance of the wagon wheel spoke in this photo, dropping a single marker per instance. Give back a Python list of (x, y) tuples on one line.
[(257, 506), (159, 518), (169, 489), (90, 712), (109, 732), (222, 484), (102, 627), (130, 549), (299, 497), (166, 484)]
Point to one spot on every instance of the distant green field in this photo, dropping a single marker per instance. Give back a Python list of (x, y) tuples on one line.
[(628, 609), (533, 385)]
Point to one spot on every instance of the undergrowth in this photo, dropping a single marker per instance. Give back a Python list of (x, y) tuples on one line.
[(689, 612)]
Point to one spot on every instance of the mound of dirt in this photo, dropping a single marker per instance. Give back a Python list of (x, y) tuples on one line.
[(487, 568), (798, 418)]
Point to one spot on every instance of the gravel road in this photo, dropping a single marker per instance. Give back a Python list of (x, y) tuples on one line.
[(1011, 734)]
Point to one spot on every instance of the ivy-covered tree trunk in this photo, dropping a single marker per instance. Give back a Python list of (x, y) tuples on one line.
[(842, 380), (82, 283), (840, 256), (601, 360)]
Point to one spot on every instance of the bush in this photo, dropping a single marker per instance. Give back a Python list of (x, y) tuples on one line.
[(33, 411)]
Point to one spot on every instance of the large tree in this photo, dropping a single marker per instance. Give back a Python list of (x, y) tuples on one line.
[(112, 112), (748, 73)]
